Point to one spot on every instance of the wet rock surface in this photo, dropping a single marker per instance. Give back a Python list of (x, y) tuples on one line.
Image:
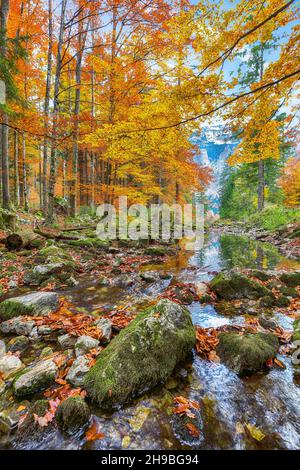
[(36, 303)]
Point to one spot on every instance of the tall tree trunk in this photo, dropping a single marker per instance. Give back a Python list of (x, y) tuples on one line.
[(81, 42), (261, 185), (25, 187), (52, 177), (261, 163), (4, 12), (16, 170), (47, 106)]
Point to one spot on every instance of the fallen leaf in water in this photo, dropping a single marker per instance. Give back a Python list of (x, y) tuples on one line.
[(21, 408), (93, 433), (254, 432), (193, 430), (279, 363)]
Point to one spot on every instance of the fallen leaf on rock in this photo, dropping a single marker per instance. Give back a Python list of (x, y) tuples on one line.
[(279, 363), (193, 430)]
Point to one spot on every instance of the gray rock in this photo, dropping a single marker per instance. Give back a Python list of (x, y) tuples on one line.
[(78, 371), (34, 379), (34, 335), (62, 270), (84, 344), (34, 304), (105, 326), (9, 365), (201, 289), (66, 341), (267, 323), (44, 330), (248, 353), (2, 348), (142, 355), (19, 343), (149, 276), (18, 325)]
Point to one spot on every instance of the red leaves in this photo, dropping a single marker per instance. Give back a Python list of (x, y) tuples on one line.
[(193, 430), (184, 405), (94, 433), (206, 342), (181, 293)]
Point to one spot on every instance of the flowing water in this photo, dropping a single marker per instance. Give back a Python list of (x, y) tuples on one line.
[(270, 401)]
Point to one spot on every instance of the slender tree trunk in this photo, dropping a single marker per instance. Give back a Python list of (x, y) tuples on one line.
[(81, 42), (52, 177), (261, 185), (25, 187), (47, 106), (261, 163), (16, 170), (4, 11)]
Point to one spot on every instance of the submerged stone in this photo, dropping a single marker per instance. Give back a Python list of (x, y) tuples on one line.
[(142, 355), (72, 414), (248, 353), (36, 303)]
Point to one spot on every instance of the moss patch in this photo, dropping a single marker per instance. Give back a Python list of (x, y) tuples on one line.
[(72, 414)]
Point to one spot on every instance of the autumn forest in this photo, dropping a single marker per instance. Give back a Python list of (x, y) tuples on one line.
[(164, 102)]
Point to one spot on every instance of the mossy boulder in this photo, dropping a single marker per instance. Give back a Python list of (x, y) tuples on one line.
[(296, 335), (143, 355), (248, 353), (72, 414), (36, 303), (289, 292), (233, 285), (19, 343), (60, 270), (282, 301), (34, 379), (261, 275), (291, 279), (156, 250)]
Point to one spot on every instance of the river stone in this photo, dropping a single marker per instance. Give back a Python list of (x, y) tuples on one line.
[(78, 371), (17, 325), (2, 348), (149, 276), (296, 335), (267, 323), (61, 270), (29, 429), (72, 414), (201, 289), (66, 341), (34, 379), (105, 326), (233, 285), (246, 354), (84, 344), (34, 304), (9, 365), (291, 279), (142, 355), (19, 343), (261, 275)]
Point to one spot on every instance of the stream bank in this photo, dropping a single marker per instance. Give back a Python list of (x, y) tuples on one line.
[(230, 409)]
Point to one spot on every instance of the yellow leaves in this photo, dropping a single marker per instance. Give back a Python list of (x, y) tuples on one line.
[(255, 432)]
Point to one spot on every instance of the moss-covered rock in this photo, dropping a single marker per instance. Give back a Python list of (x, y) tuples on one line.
[(60, 270), (289, 292), (261, 275), (296, 335), (267, 301), (233, 285), (34, 379), (36, 303), (291, 279), (19, 343), (156, 250), (142, 355), (72, 414), (282, 301), (247, 354)]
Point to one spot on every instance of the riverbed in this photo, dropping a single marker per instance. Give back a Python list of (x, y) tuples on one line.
[(268, 401)]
